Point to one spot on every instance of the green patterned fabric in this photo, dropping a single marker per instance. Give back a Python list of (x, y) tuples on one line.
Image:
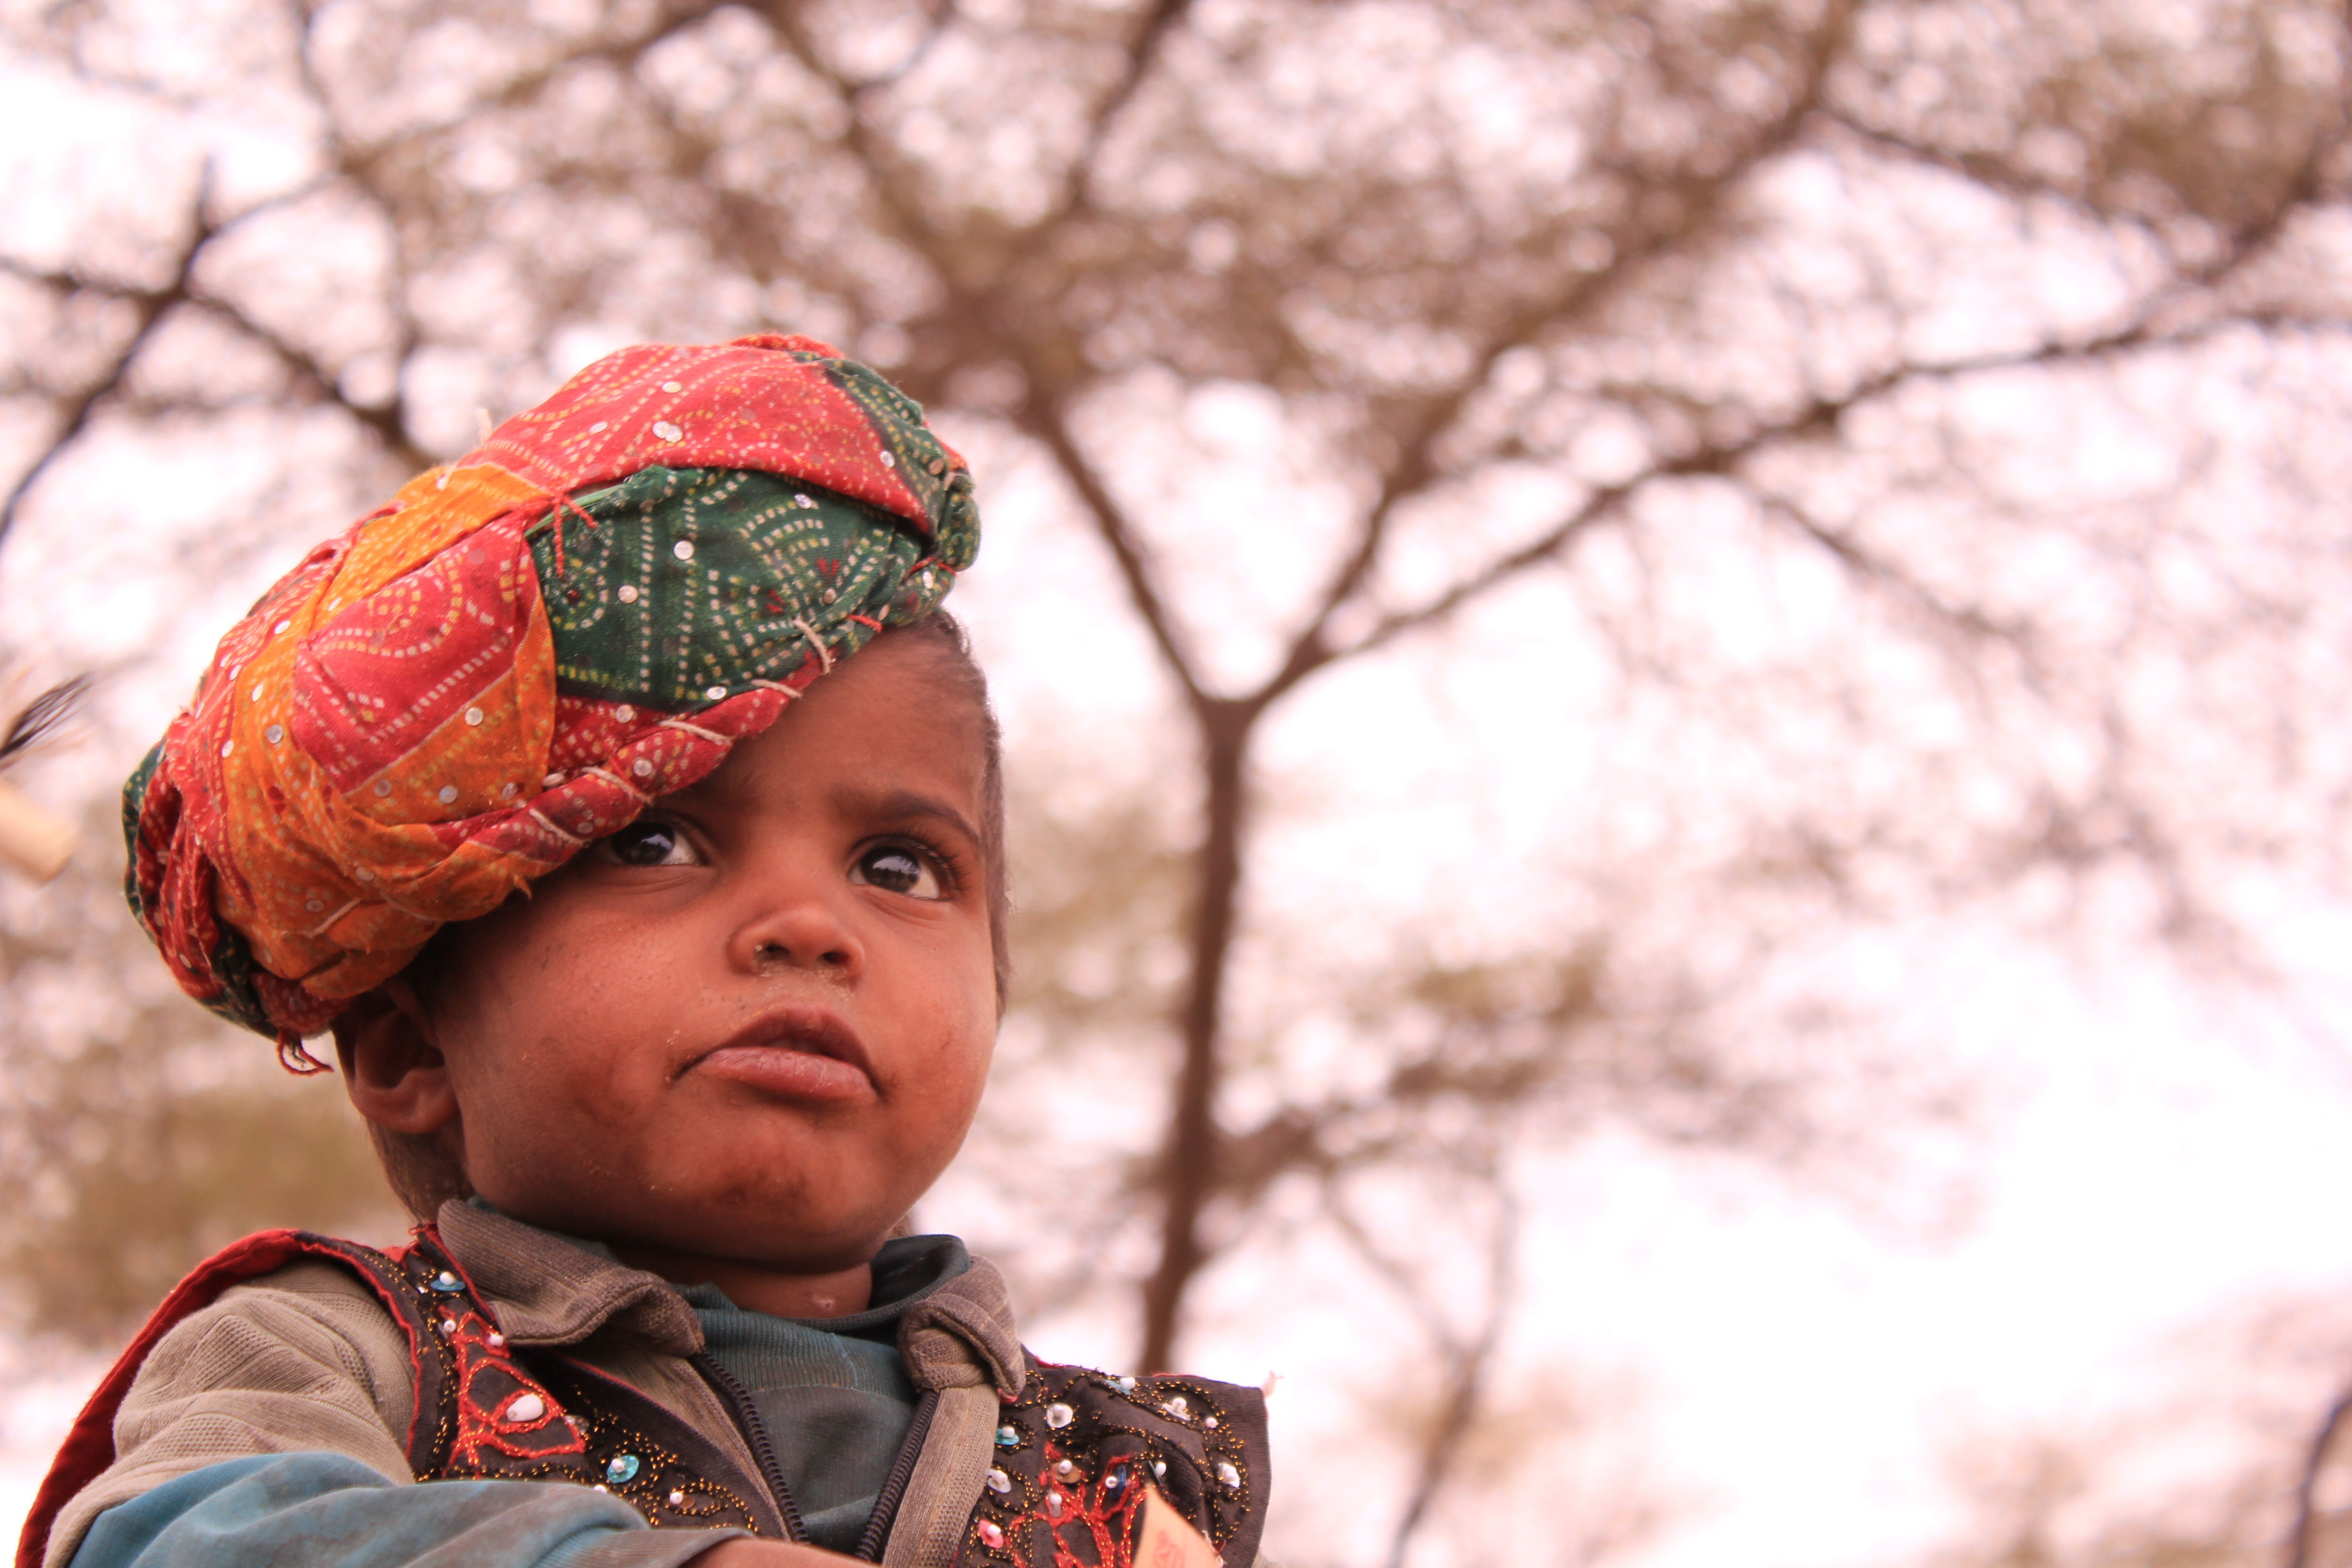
[(767, 560)]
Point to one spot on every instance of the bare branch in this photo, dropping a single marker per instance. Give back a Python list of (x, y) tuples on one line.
[(1141, 50), (1868, 566), (1467, 1359), (1415, 466), (388, 421), (621, 53), (1597, 509), (150, 305), (1047, 421), (1813, 418), (943, 15), (2300, 1539), (2248, 244), (885, 177)]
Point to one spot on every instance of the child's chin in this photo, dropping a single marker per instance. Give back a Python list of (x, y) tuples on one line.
[(785, 1228)]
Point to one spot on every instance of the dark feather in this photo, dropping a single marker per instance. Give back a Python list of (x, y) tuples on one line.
[(42, 715)]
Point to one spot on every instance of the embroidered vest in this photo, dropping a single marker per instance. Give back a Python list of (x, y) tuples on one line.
[(1075, 1449)]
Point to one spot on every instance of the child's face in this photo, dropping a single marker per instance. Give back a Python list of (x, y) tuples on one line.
[(754, 1026)]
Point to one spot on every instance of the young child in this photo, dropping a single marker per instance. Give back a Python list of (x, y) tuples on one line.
[(625, 805)]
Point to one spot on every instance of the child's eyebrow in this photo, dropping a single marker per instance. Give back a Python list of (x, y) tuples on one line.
[(900, 806), (890, 805)]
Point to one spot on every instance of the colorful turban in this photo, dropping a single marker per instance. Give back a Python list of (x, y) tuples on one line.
[(519, 652)]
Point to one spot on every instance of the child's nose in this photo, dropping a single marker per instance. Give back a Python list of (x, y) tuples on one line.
[(797, 932)]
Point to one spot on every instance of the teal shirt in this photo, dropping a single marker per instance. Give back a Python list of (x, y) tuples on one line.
[(832, 1393)]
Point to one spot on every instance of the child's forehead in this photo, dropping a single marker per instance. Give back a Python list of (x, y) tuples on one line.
[(751, 781), (891, 732)]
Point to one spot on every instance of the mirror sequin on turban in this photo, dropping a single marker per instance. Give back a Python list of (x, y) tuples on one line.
[(519, 652)]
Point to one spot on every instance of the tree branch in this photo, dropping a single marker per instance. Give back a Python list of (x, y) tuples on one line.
[(1812, 418), (1415, 468), (2306, 187), (2301, 1538), (389, 421), (1046, 418), (1467, 1359), (1043, 413), (1868, 566), (151, 306), (886, 179), (623, 54), (1142, 49)]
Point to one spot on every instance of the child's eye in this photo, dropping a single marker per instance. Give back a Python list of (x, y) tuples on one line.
[(647, 844), (899, 869)]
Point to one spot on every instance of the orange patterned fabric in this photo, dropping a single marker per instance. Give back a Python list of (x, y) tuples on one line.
[(457, 694)]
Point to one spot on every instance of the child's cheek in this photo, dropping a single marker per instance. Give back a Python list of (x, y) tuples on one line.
[(951, 1067)]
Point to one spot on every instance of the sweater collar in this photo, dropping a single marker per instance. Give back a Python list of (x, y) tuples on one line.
[(548, 1290)]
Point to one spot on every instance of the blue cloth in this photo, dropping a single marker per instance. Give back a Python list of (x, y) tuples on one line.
[(302, 1510)]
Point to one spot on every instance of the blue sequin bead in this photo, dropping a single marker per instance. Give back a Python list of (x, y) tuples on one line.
[(1006, 1437), (621, 1470), (447, 1283)]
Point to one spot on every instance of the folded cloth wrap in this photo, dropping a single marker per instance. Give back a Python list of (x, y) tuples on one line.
[(519, 652)]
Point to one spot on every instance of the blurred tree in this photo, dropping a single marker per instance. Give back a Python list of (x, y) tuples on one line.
[(141, 1133), (2319, 1534), (2037, 1505), (1899, 429), (2240, 1466)]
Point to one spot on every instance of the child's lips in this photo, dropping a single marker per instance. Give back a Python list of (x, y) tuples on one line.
[(799, 1053)]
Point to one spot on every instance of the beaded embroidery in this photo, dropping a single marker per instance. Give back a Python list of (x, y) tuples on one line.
[(1082, 1448)]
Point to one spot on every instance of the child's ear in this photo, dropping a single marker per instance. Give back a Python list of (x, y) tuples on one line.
[(393, 1071)]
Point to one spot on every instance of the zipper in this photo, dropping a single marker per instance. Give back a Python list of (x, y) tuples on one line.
[(894, 1489), (755, 1432)]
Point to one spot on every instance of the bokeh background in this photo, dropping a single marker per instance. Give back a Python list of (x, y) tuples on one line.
[(1678, 677)]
